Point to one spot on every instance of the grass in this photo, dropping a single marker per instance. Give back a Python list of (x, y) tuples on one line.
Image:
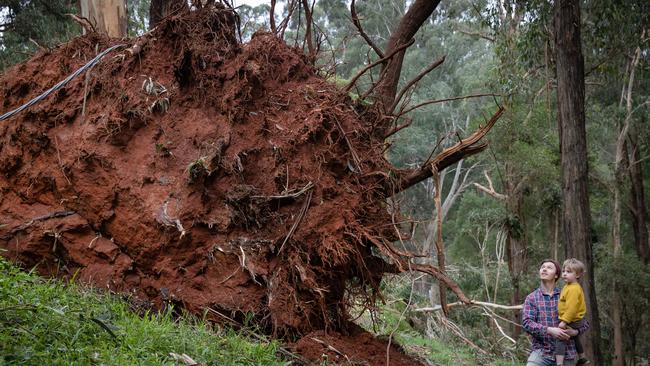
[(47, 322)]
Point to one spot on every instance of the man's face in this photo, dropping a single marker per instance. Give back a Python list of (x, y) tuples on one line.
[(548, 271)]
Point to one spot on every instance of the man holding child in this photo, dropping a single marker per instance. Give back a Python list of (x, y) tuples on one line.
[(554, 339)]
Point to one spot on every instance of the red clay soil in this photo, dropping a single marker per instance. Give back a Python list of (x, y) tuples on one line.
[(202, 172), (357, 347)]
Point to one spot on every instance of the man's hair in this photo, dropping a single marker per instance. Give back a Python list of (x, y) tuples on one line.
[(575, 265), (558, 269)]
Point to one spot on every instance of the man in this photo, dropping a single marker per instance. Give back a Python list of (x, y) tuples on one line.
[(540, 319)]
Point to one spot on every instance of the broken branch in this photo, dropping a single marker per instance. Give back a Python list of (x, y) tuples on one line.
[(449, 156)]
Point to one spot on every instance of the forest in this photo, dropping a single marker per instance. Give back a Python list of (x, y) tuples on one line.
[(502, 133)]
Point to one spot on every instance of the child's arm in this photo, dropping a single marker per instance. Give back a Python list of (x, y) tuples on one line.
[(562, 324)]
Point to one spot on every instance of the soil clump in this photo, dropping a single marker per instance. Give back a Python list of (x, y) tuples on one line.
[(191, 169)]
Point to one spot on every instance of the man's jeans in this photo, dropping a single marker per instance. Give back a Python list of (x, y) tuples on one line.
[(536, 359)]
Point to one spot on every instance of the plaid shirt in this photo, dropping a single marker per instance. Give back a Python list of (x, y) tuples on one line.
[(540, 312)]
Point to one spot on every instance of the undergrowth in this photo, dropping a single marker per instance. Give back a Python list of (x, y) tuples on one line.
[(47, 322), (436, 344)]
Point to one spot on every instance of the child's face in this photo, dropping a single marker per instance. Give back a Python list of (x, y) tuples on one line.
[(569, 275)]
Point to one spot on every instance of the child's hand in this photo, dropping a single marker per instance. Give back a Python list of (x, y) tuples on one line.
[(562, 325)]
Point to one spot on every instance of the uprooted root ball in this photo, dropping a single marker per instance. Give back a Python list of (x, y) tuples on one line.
[(252, 189)]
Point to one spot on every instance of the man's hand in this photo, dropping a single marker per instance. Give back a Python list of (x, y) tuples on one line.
[(559, 333)]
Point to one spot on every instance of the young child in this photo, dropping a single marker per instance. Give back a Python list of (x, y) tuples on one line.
[(571, 308)]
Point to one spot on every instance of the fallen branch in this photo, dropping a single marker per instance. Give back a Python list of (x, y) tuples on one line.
[(472, 302), (437, 274), (183, 358)]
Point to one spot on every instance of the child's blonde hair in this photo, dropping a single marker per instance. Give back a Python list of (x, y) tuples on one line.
[(575, 265)]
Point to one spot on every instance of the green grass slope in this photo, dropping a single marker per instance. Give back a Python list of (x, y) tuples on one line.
[(46, 322)]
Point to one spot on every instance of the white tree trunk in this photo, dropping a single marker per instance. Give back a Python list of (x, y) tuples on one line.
[(107, 16)]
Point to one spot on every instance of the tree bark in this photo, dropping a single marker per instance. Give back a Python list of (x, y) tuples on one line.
[(108, 16), (640, 210), (620, 165), (411, 22), (517, 252), (573, 150), (440, 248)]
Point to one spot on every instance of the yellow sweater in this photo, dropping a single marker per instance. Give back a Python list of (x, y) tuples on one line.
[(571, 307)]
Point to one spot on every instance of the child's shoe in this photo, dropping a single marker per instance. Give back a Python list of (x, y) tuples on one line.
[(582, 361)]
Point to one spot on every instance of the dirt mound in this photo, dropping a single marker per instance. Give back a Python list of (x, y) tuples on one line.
[(195, 170), (354, 348)]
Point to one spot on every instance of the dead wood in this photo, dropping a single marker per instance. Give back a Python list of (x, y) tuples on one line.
[(451, 155)]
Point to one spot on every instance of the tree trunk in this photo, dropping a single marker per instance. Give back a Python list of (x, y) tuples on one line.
[(515, 241), (573, 150), (639, 210), (160, 9), (108, 16), (620, 165), (417, 14)]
